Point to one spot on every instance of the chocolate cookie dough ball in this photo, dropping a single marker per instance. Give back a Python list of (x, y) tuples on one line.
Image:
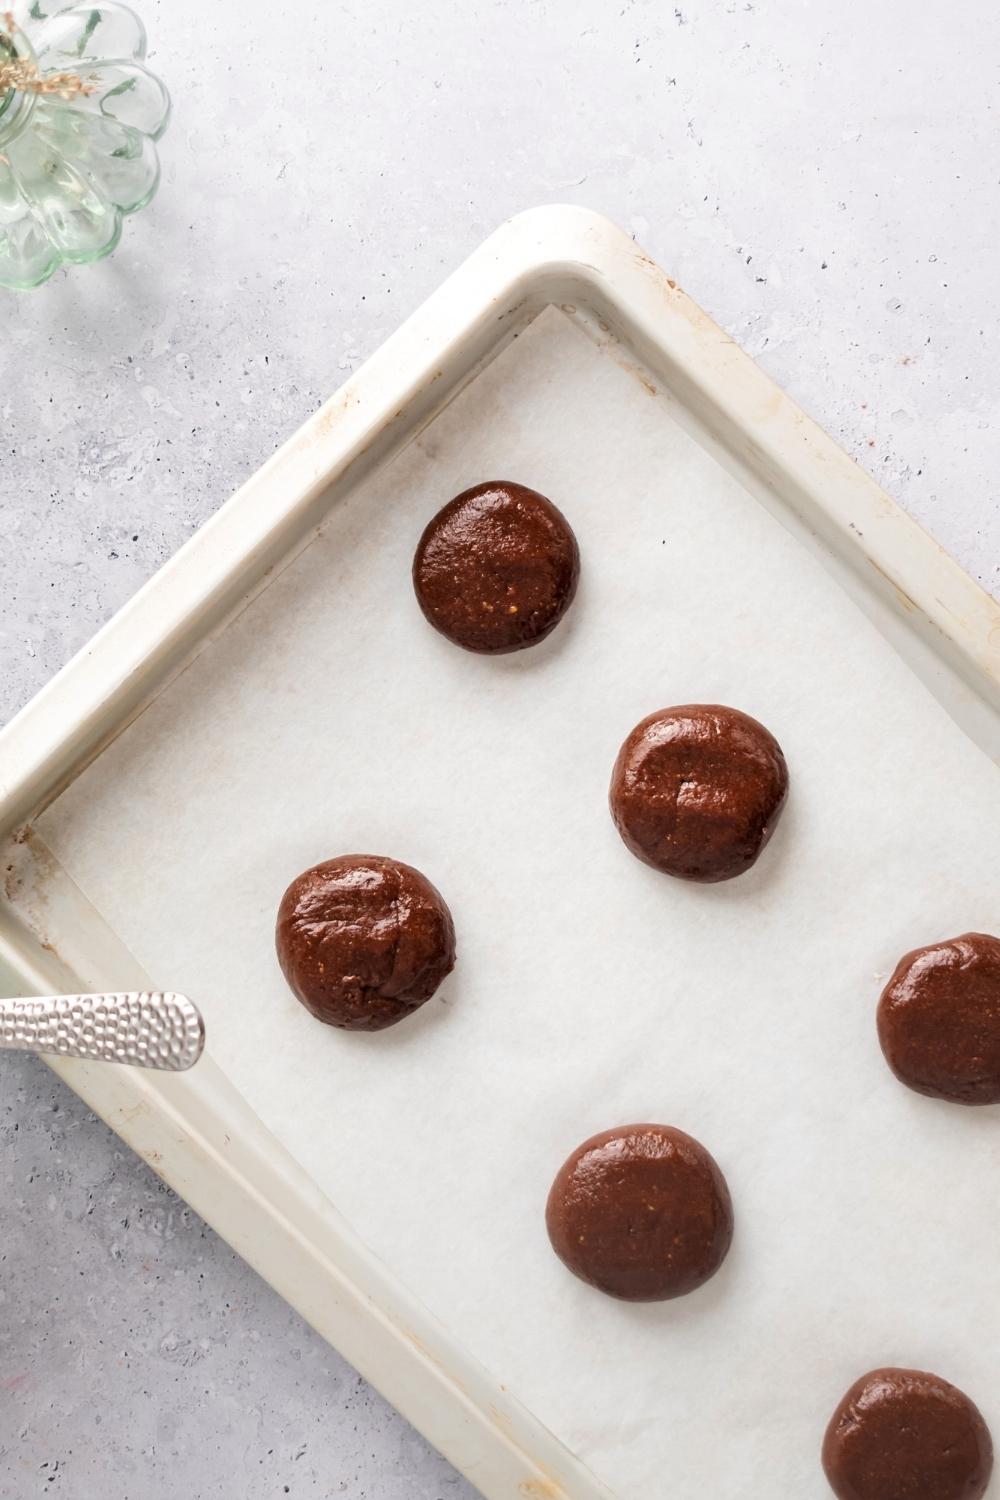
[(899, 1434), (363, 941), (497, 568), (642, 1213), (696, 791), (939, 1020)]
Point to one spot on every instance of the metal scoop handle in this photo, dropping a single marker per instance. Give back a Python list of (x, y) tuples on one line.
[(147, 1030)]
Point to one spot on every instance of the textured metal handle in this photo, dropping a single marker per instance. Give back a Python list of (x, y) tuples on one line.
[(145, 1029)]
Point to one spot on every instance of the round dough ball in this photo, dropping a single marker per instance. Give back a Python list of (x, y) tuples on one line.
[(642, 1213), (697, 790), (906, 1433), (363, 941), (497, 568), (939, 1020)]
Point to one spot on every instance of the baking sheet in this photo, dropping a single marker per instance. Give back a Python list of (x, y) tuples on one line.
[(590, 991)]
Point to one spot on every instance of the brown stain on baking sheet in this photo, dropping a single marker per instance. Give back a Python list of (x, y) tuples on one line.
[(503, 1422), (544, 1488), (132, 1112), (638, 372), (612, 345), (422, 1348), (902, 597), (26, 878), (648, 264), (338, 407), (432, 1358)]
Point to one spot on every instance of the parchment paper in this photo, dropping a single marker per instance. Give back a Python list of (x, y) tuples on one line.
[(590, 990)]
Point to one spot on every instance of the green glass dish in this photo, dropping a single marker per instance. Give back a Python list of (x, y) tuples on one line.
[(72, 167)]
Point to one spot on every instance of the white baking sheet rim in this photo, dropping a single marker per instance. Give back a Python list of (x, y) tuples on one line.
[(590, 991)]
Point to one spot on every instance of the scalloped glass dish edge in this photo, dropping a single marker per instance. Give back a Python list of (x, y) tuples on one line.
[(18, 111)]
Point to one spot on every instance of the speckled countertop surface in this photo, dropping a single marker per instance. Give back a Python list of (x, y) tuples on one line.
[(823, 180)]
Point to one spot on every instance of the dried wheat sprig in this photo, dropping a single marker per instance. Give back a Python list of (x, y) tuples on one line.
[(23, 76)]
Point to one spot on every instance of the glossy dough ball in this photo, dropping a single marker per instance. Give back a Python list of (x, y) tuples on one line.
[(642, 1213), (363, 941), (899, 1434), (696, 791), (497, 568), (939, 1020)]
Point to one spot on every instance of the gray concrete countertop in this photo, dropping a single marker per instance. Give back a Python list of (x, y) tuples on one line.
[(822, 179)]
